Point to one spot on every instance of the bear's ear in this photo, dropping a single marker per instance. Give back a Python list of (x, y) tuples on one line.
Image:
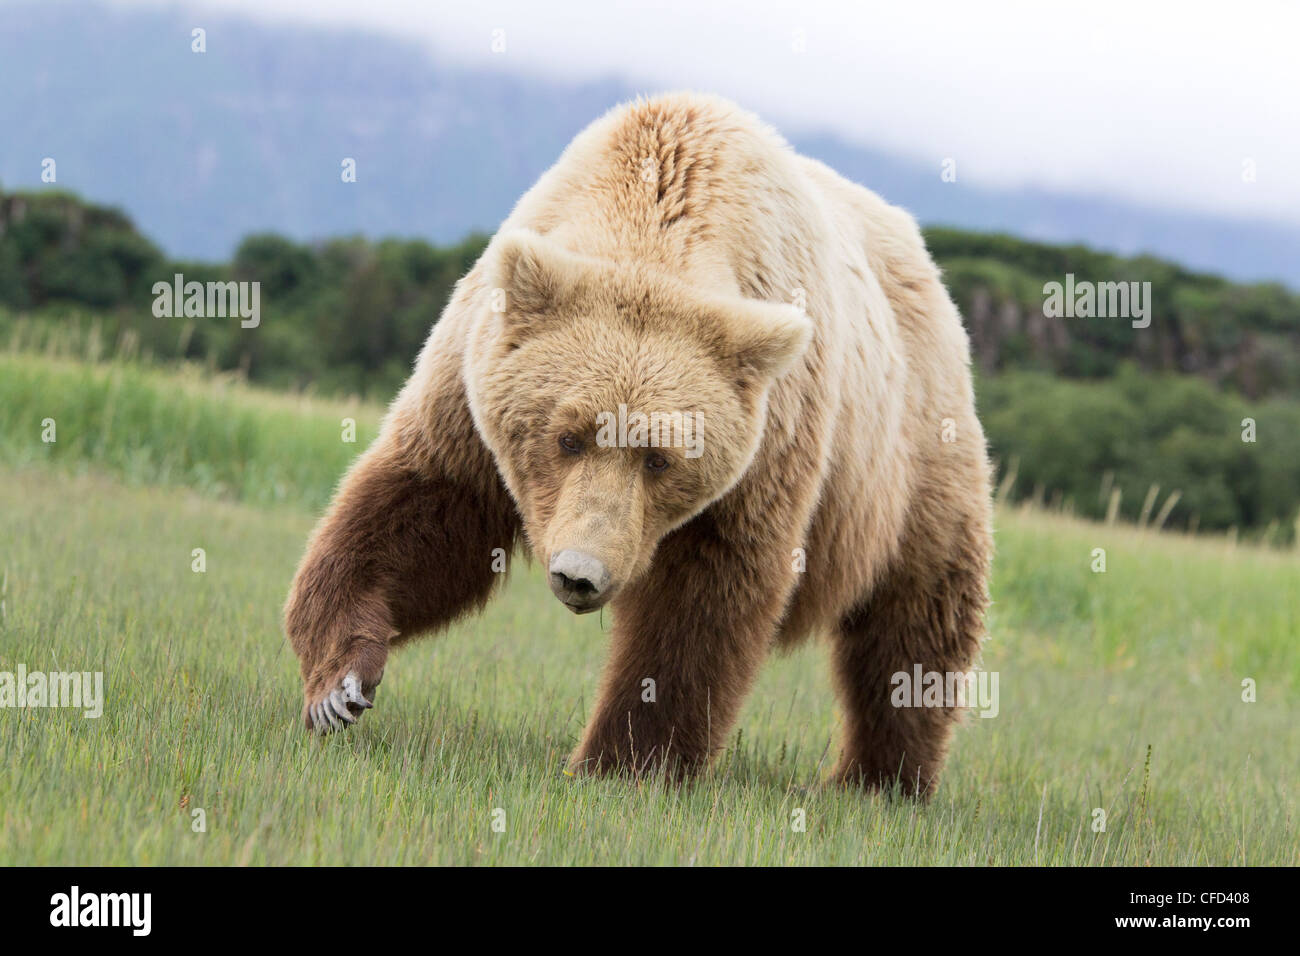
[(765, 338), (534, 273)]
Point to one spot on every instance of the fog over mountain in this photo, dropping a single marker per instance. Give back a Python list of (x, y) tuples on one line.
[(203, 149)]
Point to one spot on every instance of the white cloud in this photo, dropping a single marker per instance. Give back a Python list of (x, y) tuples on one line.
[(1158, 102)]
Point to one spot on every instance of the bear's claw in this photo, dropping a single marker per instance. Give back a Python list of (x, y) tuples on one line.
[(339, 708)]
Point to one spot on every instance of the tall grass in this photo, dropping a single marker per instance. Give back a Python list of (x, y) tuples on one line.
[(191, 428)]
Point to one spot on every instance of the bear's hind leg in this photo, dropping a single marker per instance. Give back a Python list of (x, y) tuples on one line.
[(934, 621)]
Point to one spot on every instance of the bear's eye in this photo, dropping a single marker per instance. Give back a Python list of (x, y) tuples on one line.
[(656, 462), (571, 443)]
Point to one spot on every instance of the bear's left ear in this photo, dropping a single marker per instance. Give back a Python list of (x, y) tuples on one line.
[(765, 338)]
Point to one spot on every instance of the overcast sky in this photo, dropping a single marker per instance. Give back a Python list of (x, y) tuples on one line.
[(1158, 102)]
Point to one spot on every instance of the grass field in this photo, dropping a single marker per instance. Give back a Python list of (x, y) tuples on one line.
[(1119, 691)]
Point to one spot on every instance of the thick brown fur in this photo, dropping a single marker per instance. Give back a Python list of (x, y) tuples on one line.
[(843, 486)]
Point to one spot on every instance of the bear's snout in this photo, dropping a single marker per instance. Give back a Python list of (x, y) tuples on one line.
[(579, 580)]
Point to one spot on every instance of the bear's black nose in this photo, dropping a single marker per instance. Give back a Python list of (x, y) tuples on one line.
[(579, 580), (577, 586)]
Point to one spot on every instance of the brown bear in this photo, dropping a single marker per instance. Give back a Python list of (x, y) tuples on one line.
[(706, 381)]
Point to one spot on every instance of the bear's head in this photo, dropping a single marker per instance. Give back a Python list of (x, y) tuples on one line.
[(618, 401)]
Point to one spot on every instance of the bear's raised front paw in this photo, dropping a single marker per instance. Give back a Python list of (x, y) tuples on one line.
[(339, 706)]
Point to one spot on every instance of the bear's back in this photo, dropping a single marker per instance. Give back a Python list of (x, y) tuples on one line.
[(681, 182)]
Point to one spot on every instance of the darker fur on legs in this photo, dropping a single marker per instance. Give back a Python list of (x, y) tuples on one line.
[(936, 623), (402, 550), (701, 654)]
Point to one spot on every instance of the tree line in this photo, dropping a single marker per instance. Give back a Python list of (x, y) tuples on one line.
[(1079, 406)]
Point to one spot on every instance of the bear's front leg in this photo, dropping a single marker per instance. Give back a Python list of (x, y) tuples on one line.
[(408, 545), (688, 640)]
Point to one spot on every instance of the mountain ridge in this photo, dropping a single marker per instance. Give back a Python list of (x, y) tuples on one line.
[(204, 149)]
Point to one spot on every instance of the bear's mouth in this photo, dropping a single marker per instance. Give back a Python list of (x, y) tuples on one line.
[(582, 608)]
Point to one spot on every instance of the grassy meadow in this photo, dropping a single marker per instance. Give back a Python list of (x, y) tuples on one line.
[(1119, 691)]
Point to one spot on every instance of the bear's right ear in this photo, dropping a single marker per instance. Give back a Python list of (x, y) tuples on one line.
[(533, 275)]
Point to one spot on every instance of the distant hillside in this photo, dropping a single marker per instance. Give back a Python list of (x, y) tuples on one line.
[(377, 299), (1242, 336), (204, 149)]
